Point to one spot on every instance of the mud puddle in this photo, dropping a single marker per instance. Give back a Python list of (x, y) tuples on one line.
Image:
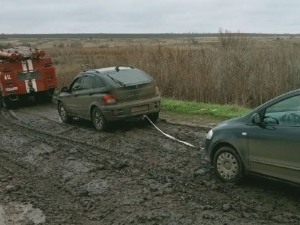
[(53, 173)]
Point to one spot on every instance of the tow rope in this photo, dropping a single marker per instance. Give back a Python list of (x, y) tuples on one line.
[(167, 135)]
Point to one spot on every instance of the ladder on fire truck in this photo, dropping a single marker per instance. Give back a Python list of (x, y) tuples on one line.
[(20, 53)]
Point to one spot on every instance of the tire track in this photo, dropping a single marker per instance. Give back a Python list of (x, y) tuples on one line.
[(160, 162), (113, 144), (131, 175)]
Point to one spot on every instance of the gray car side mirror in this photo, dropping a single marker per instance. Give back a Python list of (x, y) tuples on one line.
[(64, 89), (256, 118)]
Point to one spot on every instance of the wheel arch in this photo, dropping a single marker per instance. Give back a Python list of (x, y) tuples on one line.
[(91, 110), (58, 102)]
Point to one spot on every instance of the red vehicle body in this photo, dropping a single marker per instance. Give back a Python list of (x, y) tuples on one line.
[(26, 72)]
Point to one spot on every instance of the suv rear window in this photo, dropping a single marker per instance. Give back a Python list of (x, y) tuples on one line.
[(129, 77), (31, 75)]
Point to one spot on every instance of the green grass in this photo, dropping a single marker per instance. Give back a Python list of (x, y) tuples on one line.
[(209, 111)]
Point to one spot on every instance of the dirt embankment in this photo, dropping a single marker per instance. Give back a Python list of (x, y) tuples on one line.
[(53, 173)]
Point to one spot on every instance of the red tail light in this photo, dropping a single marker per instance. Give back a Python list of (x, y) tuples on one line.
[(109, 99)]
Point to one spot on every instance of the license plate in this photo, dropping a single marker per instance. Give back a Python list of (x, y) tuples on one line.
[(139, 108)]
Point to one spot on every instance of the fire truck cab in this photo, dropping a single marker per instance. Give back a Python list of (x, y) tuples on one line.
[(26, 72)]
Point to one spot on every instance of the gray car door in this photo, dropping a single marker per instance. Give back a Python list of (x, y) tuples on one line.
[(274, 146), (85, 96), (70, 100)]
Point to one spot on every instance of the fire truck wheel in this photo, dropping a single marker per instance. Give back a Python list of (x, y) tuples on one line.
[(63, 113), (5, 102)]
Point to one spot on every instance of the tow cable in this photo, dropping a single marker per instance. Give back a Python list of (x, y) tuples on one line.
[(167, 135)]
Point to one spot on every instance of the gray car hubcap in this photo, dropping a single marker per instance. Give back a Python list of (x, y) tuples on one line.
[(227, 165), (62, 113), (98, 119)]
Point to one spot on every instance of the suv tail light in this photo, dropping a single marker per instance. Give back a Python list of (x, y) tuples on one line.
[(109, 99)]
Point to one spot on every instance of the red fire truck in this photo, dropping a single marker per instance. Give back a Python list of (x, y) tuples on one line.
[(26, 72)]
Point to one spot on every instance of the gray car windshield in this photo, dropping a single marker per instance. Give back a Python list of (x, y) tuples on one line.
[(131, 77)]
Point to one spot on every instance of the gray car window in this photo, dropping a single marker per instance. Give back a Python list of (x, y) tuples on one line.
[(88, 82), (76, 84), (131, 77), (98, 83), (285, 112)]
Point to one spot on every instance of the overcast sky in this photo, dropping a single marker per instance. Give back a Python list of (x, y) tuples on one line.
[(149, 16)]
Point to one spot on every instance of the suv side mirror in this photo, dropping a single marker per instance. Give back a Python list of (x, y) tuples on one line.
[(64, 89), (256, 118)]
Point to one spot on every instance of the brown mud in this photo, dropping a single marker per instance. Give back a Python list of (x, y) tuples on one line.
[(55, 173)]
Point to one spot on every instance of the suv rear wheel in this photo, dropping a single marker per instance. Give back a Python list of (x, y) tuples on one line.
[(228, 165), (63, 113), (100, 123)]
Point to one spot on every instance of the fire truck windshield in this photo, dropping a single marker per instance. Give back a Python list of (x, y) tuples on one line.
[(28, 76)]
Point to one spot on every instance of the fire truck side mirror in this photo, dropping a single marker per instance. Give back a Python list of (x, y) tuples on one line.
[(64, 89)]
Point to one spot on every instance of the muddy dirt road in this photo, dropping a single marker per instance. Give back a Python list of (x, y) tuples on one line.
[(53, 173)]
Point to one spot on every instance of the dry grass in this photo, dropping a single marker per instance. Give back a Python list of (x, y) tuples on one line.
[(237, 70)]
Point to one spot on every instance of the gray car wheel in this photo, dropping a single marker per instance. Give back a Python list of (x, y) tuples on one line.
[(228, 165), (98, 119), (63, 113)]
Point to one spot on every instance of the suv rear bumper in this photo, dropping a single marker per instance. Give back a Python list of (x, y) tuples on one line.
[(124, 110)]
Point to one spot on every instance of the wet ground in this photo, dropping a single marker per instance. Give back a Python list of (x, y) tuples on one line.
[(54, 173)]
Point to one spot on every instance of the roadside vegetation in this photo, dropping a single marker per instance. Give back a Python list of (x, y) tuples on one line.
[(210, 112), (236, 70)]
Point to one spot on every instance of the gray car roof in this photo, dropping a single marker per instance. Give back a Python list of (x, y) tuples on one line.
[(111, 69)]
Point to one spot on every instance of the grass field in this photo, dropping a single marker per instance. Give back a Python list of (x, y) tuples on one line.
[(223, 69), (233, 70), (210, 112)]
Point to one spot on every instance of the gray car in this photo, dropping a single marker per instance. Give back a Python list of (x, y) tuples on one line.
[(266, 141), (110, 94)]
